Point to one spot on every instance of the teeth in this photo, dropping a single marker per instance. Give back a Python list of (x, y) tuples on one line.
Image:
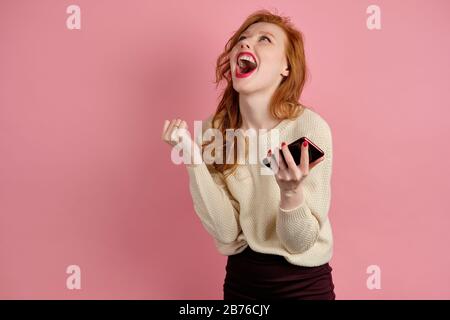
[(246, 57)]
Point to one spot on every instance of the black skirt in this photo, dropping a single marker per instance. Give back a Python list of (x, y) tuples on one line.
[(251, 275)]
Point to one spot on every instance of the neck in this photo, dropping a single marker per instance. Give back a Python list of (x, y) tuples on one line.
[(255, 113)]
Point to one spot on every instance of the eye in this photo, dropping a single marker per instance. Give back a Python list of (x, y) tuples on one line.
[(242, 37)]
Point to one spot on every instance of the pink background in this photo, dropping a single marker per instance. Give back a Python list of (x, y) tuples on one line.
[(85, 178)]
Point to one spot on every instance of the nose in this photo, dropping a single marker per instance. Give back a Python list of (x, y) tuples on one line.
[(244, 45)]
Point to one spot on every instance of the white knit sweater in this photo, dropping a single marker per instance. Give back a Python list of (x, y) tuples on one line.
[(243, 209)]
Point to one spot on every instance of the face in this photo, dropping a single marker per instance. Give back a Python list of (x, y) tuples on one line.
[(267, 43)]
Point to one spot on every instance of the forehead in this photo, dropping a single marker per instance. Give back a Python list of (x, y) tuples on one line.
[(274, 29)]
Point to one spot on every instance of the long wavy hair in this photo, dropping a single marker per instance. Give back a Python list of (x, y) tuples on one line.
[(284, 103)]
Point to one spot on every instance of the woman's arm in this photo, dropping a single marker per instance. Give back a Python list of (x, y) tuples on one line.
[(213, 203), (217, 209), (302, 214)]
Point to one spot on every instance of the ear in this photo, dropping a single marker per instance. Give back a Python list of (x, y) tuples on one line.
[(285, 73)]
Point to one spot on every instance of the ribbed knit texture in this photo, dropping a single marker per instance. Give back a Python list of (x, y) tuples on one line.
[(244, 209)]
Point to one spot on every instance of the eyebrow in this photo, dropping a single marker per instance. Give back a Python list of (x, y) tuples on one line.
[(261, 32)]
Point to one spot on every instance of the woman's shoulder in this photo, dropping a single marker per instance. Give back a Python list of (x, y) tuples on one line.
[(313, 120), (207, 123), (313, 125)]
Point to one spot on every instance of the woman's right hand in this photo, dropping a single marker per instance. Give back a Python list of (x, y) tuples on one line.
[(176, 129)]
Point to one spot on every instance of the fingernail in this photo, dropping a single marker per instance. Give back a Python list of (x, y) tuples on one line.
[(305, 144), (269, 152), (283, 144)]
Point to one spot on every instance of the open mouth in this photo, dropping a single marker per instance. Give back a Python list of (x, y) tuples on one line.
[(246, 64)]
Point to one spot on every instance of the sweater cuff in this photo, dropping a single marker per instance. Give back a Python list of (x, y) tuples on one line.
[(295, 215)]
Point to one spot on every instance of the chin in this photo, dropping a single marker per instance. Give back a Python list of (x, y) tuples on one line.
[(243, 88)]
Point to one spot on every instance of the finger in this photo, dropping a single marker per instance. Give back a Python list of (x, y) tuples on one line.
[(280, 162), (269, 154), (166, 125), (282, 167), (182, 128), (175, 132), (168, 130), (273, 163), (304, 158), (183, 124), (267, 159), (168, 133), (185, 135), (289, 158)]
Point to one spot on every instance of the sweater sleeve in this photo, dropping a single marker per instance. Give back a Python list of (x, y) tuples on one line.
[(298, 228), (214, 205)]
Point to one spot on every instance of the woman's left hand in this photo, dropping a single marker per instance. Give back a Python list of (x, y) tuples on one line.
[(291, 177)]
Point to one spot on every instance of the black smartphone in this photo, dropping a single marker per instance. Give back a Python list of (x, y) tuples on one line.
[(314, 152)]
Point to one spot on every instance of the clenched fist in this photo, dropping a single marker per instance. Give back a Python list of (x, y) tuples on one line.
[(175, 130)]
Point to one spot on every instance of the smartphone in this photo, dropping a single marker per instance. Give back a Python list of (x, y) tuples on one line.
[(314, 152)]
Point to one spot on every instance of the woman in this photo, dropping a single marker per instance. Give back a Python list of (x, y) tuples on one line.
[(274, 228)]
